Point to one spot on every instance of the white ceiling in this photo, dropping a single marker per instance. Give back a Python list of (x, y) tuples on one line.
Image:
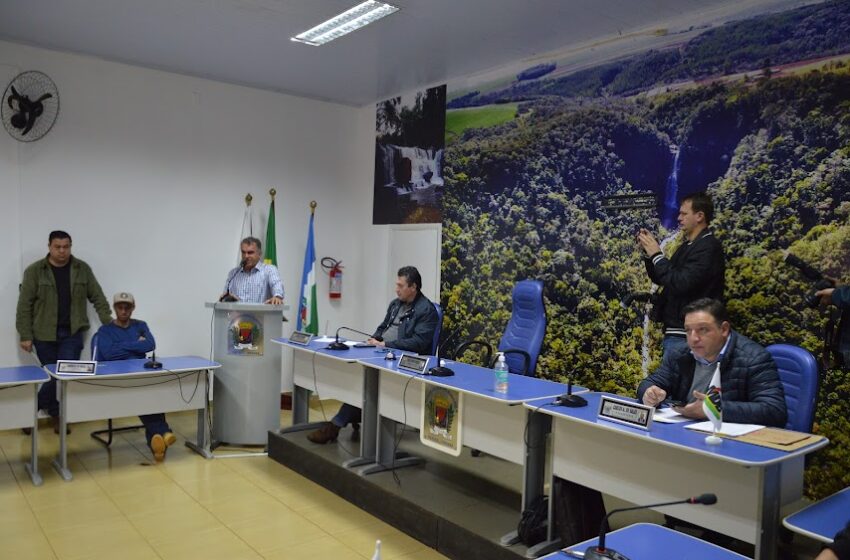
[(426, 43)]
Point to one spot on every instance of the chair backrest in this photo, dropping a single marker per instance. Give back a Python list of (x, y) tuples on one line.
[(93, 345), (798, 371), (438, 330), (527, 326)]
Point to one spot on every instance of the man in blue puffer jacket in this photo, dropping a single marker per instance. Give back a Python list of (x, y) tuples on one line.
[(751, 390)]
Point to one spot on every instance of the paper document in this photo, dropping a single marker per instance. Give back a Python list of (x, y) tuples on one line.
[(668, 416), (324, 339), (727, 429)]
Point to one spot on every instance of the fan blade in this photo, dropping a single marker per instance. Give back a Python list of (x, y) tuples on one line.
[(43, 97)]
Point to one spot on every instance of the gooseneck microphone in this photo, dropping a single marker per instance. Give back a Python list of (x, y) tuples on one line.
[(337, 345), (228, 297), (440, 370), (152, 363), (570, 400), (599, 552)]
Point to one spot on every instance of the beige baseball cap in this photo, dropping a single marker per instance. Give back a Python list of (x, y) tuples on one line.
[(124, 297)]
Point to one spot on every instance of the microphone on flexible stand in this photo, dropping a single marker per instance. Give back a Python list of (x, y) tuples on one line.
[(337, 345), (228, 297), (599, 552), (440, 370), (570, 400), (152, 363)]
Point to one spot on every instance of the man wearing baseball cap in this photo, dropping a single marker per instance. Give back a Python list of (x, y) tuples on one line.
[(123, 339)]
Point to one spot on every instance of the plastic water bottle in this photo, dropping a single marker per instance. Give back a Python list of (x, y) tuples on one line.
[(500, 374), (377, 555)]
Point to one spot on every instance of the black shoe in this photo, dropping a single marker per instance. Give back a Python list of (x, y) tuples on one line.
[(355, 432), (54, 421), (326, 433), (27, 431)]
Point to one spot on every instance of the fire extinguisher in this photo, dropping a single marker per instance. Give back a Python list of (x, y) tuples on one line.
[(334, 270)]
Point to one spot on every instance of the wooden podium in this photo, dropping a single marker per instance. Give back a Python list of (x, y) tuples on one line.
[(246, 389)]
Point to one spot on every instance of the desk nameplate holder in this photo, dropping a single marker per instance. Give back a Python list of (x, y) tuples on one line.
[(299, 337), (411, 362), (625, 412), (76, 367)]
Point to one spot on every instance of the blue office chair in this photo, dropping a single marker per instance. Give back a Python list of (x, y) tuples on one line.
[(110, 430), (438, 330), (798, 371), (523, 336)]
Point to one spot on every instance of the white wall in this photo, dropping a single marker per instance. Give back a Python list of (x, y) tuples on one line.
[(148, 171)]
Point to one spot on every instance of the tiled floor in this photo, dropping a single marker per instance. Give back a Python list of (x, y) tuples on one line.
[(123, 505)]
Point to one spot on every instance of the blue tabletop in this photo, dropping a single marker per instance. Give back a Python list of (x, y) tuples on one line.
[(478, 380), (645, 541), (675, 434), (22, 374), (321, 348), (175, 364), (822, 520)]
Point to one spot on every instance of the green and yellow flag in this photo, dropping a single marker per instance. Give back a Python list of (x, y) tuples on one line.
[(271, 245)]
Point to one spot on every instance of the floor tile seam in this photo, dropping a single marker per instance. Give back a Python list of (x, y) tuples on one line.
[(29, 505), (124, 514)]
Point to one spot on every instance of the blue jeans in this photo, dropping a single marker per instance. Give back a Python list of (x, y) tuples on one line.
[(670, 343), (154, 424), (67, 346), (347, 414)]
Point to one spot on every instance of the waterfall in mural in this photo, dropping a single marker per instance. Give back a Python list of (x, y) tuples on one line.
[(670, 210)]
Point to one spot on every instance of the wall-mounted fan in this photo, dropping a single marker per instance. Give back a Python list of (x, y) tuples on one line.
[(30, 106)]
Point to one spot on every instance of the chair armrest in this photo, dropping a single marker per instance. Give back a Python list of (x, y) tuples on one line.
[(458, 352), (524, 354)]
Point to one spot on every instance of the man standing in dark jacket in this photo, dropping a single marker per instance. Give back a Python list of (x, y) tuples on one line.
[(409, 324), (750, 387), (51, 313), (696, 270)]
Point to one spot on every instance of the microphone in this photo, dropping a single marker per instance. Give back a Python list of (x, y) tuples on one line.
[(570, 400), (228, 297), (440, 370), (152, 363), (337, 345), (599, 552)]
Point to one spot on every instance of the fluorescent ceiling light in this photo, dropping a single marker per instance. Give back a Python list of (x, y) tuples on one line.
[(345, 23)]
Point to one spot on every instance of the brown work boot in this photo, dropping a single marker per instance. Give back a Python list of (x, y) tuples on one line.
[(158, 447), (169, 438), (328, 432)]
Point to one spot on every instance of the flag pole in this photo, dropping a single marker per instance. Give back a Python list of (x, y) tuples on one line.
[(313, 207)]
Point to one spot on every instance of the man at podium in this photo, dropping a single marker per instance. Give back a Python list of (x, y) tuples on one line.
[(253, 281)]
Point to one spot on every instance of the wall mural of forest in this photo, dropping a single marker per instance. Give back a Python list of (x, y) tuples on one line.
[(757, 112)]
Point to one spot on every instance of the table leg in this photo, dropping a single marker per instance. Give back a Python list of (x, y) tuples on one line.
[(533, 468), (301, 412), (32, 466), (368, 420), (768, 522), (202, 447), (60, 463)]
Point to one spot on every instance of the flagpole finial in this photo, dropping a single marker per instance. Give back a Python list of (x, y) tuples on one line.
[(272, 192), (313, 206), (248, 199)]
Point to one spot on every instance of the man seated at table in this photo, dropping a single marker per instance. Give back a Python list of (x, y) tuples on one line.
[(409, 324), (751, 390), (124, 339)]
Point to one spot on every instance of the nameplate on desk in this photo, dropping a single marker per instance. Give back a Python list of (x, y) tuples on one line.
[(625, 412), (76, 367), (299, 337), (411, 362)]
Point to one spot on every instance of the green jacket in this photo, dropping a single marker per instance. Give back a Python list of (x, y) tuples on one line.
[(38, 304)]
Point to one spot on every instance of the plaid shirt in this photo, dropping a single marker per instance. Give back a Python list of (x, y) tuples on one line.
[(255, 285)]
